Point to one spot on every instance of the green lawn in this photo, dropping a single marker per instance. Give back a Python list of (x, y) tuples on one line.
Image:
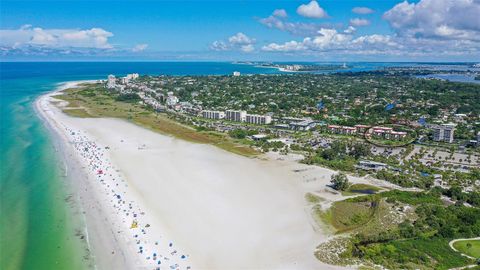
[(469, 247)]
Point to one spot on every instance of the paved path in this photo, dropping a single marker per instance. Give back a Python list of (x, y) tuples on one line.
[(462, 239)]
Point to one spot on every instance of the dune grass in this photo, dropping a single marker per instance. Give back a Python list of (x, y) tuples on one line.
[(347, 216), (313, 199), (77, 112), (94, 101)]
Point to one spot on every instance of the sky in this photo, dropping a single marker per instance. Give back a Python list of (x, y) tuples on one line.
[(240, 30)]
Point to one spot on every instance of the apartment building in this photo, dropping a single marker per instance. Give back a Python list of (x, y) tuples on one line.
[(258, 119), (443, 133), (237, 116), (213, 114)]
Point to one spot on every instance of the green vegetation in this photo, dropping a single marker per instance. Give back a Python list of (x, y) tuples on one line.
[(312, 198), (94, 101), (422, 253), (407, 197), (339, 181), (456, 194), (348, 97), (131, 97), (241, 133), (347, 216), (342, 155), (468, 247), (82, 113), (413, 231)]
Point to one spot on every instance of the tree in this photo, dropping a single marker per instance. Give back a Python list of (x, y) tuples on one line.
[(360, 150), (238, 133), (339, 181)]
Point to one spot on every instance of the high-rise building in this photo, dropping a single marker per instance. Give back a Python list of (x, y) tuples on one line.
[(258, 119), (443, 133), (132, 76), (236, 73), (237, 116), (111, 81), (213, 114)]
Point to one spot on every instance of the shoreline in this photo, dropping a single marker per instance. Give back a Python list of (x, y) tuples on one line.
[(68, 180), (285, 180), (79, 185)]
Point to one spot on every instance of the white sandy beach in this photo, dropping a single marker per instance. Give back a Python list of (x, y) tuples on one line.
[(196, 206)]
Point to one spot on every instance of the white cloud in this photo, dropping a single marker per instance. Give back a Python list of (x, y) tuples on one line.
[(218, 45), (325, 39), (289, 46), (247, 48), (375, 39), (362, 10), (359, 22), (239, 41), (56, 38), (281, 13), (277, 21), (421, 28), (350, 30), (330, 40), (436, 19), (140, 47), (311, 10), (428, 28)]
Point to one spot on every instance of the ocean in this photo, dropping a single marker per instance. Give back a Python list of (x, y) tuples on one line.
[(37, 224)]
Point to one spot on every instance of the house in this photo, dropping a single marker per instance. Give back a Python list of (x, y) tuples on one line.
[(303, 125), (259, 137), (368, 165), (361, 128), (341, 129)]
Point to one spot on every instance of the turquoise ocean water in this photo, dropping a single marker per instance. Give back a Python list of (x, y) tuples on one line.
[(36, 224)]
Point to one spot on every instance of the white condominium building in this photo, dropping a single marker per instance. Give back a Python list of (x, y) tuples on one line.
[(213, 114), (172, 100), (132, 76), (237, 116), (443, 133), (111, 81), (236, 73), (258, 119)]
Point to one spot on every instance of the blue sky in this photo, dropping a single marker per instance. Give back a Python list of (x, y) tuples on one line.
[(271, 30)]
